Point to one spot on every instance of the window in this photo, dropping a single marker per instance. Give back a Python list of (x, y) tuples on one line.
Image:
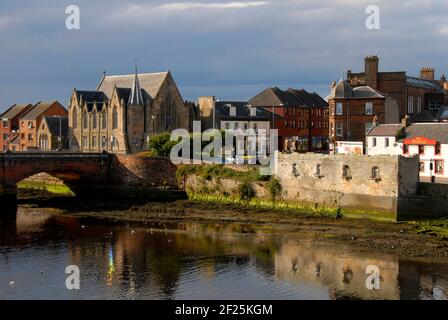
[(5, 137), (236, 126), (104, 120), (419, 104), (368, 126), (5, 148), (30, 136), (439, 166), (295, 171), (104, 142), (227, 126), (437, 149), (375, 173), (5, 124), (94, 142), (421, 149), (232, 111), (85, 142), (30, 124), (253, 112), (405, 149), (339, 108), (339, 129), (114, 143), (245, 126), (374, 142), (386, 142), (318, 170), (369, 108), (74, 118), (85, 120), (255, 126), (94, 119), (422, 166), (410, 105), (114, 118), (346, 172)]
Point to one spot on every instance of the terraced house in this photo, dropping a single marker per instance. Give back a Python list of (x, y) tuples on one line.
[(9, 126), (124, 112)]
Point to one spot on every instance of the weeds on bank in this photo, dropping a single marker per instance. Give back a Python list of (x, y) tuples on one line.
[(262, 204)]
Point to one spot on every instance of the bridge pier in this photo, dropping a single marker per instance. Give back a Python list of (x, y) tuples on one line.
[(8, 201)]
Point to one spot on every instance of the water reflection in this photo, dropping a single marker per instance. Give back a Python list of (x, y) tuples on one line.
[(193, 261)]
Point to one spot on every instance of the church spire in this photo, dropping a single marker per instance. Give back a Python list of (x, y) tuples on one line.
[(136, 98)]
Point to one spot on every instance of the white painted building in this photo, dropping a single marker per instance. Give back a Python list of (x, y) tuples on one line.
[(381, 140), (428, 140)]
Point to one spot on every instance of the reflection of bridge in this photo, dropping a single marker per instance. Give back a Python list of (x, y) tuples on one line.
[(82, 170)]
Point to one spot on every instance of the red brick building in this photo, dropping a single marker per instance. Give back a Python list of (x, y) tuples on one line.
[(31, 121), (354, 111), (303, 121), (412, 94), (9, 126)]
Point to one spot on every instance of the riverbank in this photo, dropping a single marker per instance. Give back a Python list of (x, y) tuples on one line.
[(422, 240)]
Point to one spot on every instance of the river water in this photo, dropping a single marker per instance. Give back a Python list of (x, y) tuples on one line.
[(122, 260)]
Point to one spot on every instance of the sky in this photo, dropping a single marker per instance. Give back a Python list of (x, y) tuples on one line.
[(228, 49)]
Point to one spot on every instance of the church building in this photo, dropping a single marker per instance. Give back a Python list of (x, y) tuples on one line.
[(124, 112)]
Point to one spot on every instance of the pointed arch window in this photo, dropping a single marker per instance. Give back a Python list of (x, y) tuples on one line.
[(104, 120), (94, 115), (74, 118), (85, 120), (115, 118)]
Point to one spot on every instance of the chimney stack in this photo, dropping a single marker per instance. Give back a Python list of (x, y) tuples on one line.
[(427, 73), (405, 122), (371, 71)]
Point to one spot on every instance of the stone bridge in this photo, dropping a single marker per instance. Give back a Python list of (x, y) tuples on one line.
[(84, 171)]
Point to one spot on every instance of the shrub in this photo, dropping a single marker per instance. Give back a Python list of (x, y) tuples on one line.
[(401, 134), (275, 188), (160, 145), (246, 191)]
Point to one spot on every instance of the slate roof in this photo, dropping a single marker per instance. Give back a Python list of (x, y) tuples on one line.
[(14, 110), (292, 97), (37, 110), (437, 131), (222, 109), (90, 96), (384, 130), (55, 123), (425, 84), (424, 116), (342, 90), (150, 83)]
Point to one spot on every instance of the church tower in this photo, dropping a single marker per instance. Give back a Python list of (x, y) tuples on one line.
[(135, 115)]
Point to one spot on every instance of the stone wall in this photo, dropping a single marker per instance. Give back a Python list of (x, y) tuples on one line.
[(138, 171), (302, 181)]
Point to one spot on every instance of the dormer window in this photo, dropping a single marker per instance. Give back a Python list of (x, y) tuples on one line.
[(253, 112), (232, 111)]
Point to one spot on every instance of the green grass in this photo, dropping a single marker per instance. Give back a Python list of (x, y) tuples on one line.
[(59, 189)]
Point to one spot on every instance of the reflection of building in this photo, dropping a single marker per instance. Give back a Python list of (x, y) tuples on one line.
[(303, 121), (124, 112), (52, 133), (341, 273)]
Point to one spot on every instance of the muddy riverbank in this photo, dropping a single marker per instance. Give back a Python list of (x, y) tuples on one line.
[(422, 240)]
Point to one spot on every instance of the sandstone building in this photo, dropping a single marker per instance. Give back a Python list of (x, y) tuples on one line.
[(124, 112), (52, 134)]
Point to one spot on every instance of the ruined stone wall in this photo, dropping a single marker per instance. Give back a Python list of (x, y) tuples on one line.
[(359, 188)]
